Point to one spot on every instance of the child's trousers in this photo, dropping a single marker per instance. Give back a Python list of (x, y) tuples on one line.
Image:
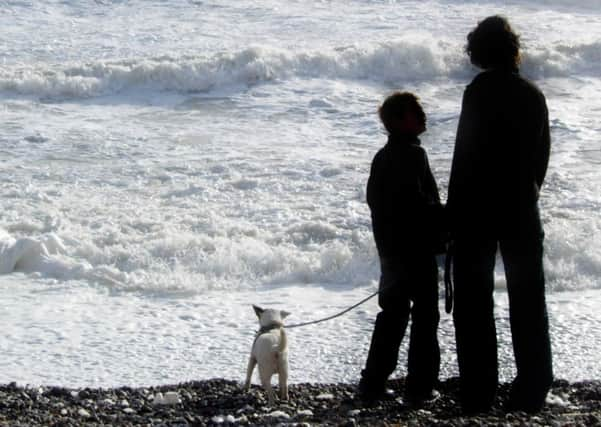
[(408, 288)]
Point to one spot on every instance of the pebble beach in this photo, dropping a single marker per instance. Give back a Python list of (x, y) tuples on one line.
[(223, 402)]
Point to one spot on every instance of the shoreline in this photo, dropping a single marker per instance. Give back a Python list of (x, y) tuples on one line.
[(224, 402)]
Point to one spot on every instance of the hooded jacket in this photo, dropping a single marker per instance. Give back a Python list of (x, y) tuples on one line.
[(403, 198)]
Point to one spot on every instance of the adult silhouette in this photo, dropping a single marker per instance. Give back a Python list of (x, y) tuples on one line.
[(499, 164)]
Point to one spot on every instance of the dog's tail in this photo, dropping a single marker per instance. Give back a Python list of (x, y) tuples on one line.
[(283, 340)]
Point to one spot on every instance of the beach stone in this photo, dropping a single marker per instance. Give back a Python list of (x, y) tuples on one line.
[(325, 396), (246, 408), (218, 419), (83, 413), (278, 414), (158, 399), (171, 398)]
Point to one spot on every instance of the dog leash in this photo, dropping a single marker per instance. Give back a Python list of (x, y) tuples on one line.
[(449, 294), (343, 312)]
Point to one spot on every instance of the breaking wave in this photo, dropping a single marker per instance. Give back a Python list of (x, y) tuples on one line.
[(386, 62), (584, 5), (192, 263), (311, 253)]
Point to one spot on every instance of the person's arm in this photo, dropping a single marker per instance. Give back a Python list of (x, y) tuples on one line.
[(460, 163), (374, 184), (429, 187), (544, 152), (434, 211), (410, 192), (376, 199)]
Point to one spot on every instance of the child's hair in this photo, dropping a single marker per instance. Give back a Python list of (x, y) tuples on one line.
[(494, 44), (397, 105)]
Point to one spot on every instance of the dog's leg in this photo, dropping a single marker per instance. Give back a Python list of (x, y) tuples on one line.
[(283, 377), (249, 371), (266, 383)]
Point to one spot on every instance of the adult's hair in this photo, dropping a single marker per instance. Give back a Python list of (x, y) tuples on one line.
[(494, 44), (396, 106)]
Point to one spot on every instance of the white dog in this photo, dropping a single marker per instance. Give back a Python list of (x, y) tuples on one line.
[(270, 352)]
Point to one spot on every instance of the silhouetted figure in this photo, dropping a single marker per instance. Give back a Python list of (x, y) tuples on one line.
[(499, 164), (406, 210)]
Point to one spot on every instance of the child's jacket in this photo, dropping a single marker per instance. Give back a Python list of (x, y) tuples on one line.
[(407, 216)]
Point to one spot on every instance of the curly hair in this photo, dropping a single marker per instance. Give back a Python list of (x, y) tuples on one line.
[(494, 44), (397, 105)]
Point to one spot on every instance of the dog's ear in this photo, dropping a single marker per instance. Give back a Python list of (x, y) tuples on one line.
[(258, 311), (284, 314)]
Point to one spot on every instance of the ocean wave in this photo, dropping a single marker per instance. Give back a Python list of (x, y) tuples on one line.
[(47, 256), (570, 5), (191, 263), (309, 253), (563, 60), (391, 61), (397, 61)]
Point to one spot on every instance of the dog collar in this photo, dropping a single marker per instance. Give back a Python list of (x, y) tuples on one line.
[(265, 329), (268, 328)]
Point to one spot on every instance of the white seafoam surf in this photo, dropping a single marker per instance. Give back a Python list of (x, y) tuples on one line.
[(164, 166)]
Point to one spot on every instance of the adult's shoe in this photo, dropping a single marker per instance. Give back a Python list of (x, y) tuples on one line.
[(420, 400), (370, 393)]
